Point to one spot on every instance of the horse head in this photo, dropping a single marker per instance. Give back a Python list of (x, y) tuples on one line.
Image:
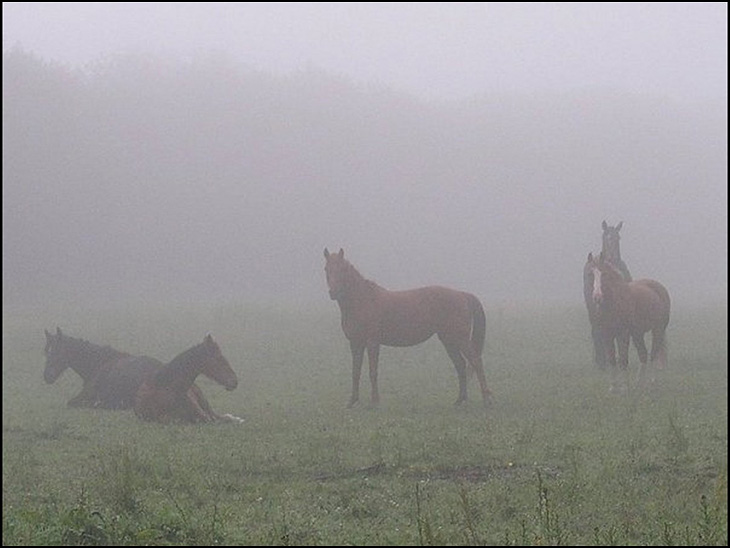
[(57, 356), (605, 278), (216, 365), (611, 248), (336, 270)]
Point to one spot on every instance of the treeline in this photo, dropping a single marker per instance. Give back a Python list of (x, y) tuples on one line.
[(140, 177)]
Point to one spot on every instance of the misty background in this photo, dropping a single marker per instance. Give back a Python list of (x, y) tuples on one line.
[(210, 152)]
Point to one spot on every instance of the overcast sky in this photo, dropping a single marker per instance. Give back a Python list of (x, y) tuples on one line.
[(442, 50)]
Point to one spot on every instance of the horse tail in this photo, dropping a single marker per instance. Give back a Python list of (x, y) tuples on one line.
[(479, 324)]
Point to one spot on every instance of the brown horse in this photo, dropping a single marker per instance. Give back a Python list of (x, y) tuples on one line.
[(169, 394), (627, 310), (611, 250), (111, 378), (372, 316)]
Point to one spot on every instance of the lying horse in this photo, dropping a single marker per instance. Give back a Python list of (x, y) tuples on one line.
[(627, 310), (170, 393), (111, 378), (374, 316)]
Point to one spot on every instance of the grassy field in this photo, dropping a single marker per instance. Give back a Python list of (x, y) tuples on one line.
[(556, 460)]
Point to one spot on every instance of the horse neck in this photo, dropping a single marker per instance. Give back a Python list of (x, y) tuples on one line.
[(92, 357), (181, 372), (359, 289), (612, 253)]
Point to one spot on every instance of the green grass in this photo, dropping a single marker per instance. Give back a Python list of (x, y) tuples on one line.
[(556, 460)]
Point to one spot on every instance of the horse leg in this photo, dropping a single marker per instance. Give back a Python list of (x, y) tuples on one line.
[(640, 345), (460, 365), (373, 355), (85, 398), (658, 348), (609, 348), (475, 361), (200, 406), (358, 351), (599, 352), (623, 341)]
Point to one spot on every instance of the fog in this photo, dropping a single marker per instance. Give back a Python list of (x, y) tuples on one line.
[(211, 151)]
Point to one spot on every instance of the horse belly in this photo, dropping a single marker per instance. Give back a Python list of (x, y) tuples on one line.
[(403, 328), (404, 337)]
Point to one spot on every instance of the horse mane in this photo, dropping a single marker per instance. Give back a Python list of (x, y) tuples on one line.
[(354, 275)]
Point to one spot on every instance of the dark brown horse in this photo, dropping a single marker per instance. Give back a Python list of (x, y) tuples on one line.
[(627, 310), (372, 316), (611, 250), (111, 378), (170, 393)]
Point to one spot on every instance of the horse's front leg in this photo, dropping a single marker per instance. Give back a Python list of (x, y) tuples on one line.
[(85, 398), (373, 355), (640, 345), (358, 351), (609, 347), (622, 341)]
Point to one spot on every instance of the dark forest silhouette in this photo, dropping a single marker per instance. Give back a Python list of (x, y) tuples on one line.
[(117, 175)]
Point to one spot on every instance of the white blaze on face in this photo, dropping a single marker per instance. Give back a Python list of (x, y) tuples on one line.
[(597, 293)]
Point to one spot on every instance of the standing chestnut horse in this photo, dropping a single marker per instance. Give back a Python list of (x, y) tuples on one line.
[(169, 394), (627, 310), (373, 315)]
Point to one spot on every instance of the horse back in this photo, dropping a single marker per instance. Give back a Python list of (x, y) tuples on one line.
[(119, 380), (411, 316)]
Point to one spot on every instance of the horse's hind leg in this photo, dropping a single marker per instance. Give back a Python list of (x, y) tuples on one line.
[(460, 365), (640, 345), (658, 348), (475, 361)]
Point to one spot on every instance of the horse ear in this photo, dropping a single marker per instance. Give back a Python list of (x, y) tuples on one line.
[(58, 332), (618, 226), (590, 256), (604, 225), (326, 253), (341, 254)]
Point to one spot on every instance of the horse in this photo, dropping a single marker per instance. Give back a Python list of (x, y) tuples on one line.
[(627, 310), (170, 393), (372, 316), (111, 378), (611, 249)]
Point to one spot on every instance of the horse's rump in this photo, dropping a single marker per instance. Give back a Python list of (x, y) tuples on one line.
[(652, 302)]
